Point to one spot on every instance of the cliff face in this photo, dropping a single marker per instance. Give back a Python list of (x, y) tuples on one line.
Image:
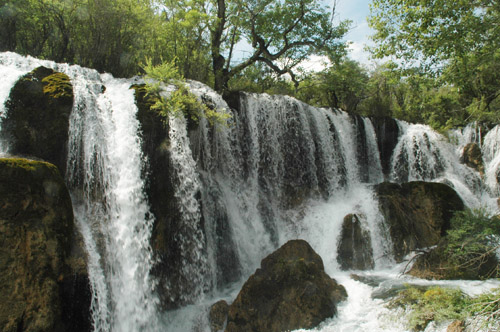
[(43, 275), (417, 213), (37, 119)]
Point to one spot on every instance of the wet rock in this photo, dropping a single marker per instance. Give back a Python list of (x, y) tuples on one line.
[(44, 278), (354, 249), (218, 316), (417, 213), (289, 291), (472, 157), (37, 119), (168, 236), (370, 280), (387, 131)]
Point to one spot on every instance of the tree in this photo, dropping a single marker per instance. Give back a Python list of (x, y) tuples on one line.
[(281, 33), (105, 35), (456, 40), (341, 86)]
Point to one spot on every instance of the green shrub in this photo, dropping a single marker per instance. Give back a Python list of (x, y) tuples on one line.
[(472, 240), (433, 304), (180, 102)]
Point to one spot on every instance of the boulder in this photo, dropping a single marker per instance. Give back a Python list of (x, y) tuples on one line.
[(218, 316), (354, 249), (290, 291), (473, 157), (417, 213), (37, 119), (43, 276)]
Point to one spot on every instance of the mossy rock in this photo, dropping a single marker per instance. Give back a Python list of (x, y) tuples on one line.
[(44, 280), (290, 291), (37, 119), (417, 213)]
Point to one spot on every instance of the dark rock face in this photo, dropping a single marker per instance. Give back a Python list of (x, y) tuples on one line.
[(168, 232), (387, 131), (354, 249), (436, 264), (289, 291), (38, 113), (43, 275), (218, 315), (362, 148), (417, 213), (160, 191), (473, 157)]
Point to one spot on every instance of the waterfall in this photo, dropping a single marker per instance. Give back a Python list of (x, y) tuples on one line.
[(283, 169), (104, 170), (491, 158), (279, 170), (424, 155), (104, 177), (195, 269)]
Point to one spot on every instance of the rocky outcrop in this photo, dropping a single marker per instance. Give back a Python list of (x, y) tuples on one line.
[(289, 291), (43, 277), (218, 315), (160, 191), (354, 250), (37, 119), (168, 236), (473, 157), (437, 264), (417, 213), (387, 131)]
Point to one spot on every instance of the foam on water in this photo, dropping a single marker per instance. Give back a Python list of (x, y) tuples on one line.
[(280, 170)]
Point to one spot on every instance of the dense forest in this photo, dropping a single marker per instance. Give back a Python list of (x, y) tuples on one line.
[(441, 59)]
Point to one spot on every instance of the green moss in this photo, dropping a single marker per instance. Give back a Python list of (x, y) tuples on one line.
[(57, 85), (433, 304), (26, 164), (439, 304)]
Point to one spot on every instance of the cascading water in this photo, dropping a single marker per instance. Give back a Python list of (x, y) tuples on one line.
[(491, 157), (104, 177), (424, 155), (280, 170)]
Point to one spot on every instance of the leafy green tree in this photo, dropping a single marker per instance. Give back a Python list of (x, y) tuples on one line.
[(186, 40), (281, 33), (111, 36), (341, 86), (456, 40)]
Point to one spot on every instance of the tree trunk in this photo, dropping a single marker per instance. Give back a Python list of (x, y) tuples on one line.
[(218, 61)]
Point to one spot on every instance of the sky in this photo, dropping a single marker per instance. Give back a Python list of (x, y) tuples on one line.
[(356, 11)]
